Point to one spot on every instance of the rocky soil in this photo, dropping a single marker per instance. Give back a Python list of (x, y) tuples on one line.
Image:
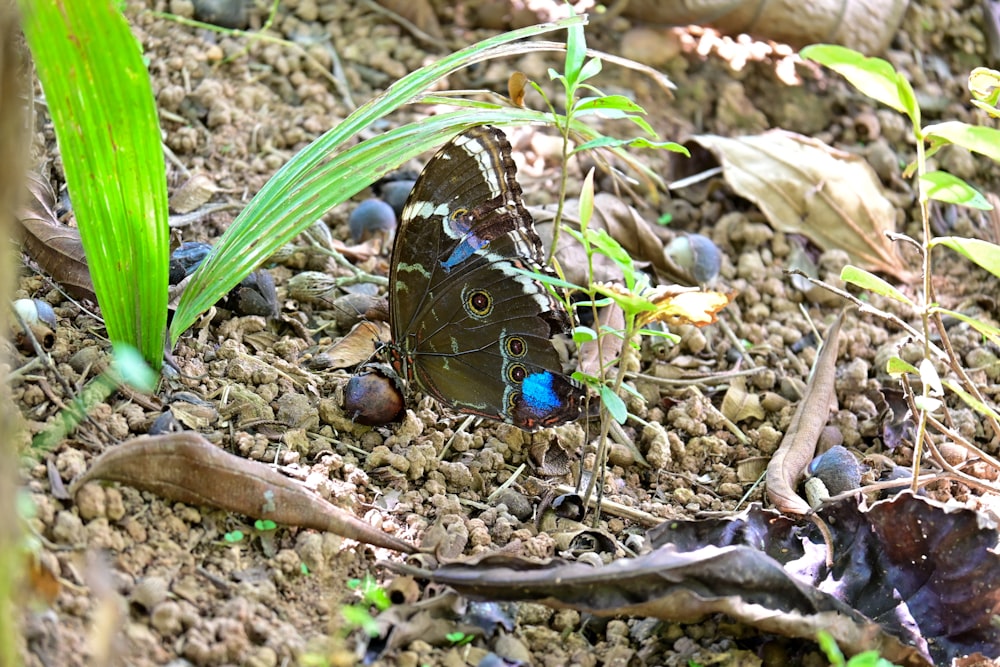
[(126, 577)]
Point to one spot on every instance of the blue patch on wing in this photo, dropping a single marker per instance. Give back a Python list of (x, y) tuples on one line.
[(466, 249), (538, 393)]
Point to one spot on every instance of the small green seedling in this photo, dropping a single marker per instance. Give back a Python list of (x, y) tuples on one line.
[(458, 638), (360, 615), (836, 657), (922, 387)]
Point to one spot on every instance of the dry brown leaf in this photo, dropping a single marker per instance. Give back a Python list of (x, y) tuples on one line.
[(358, 346), (593, 357), (738, 404), (517, 84), (187, 468), (798, 446), (56, 247), (806, 187)]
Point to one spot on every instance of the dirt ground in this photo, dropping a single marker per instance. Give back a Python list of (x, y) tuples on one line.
[(149, 581)]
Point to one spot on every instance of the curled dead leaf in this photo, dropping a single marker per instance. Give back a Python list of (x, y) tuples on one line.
[(738, 404), (798, 446), (56, 247), (187, 468)]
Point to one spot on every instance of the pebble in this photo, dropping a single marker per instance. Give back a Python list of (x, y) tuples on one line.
[(68, 529)]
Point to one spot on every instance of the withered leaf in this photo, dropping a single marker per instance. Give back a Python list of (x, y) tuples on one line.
[(739, 581), (798, 446), (56, 247), (185, 467), (358, 346), (738, 404), (914, 579), (806, 187)]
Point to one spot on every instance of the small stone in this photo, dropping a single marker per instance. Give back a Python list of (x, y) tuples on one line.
[(369, 218), (149, 592), (166, 618), (517, 504), (91, 501), (68, 528), (653, 46)]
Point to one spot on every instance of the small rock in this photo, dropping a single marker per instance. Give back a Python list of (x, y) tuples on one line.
[(68, 528), (149, 592), (166, 618), (91, 501)]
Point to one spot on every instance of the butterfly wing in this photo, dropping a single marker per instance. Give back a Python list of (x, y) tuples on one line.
[(467, 327)]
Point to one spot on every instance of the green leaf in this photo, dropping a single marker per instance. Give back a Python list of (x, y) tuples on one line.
[(987, 330), (896, 367), (983, 253), (874, 77), (359, 617), (637, 142), (929, 376), (546, 279), (583, 335), (982, 140), (972, 401), (610, 248), (869, 281), (942, 186), (927, 403), (586, 204), (105, 119), (984, 85), (614, 404), (619, 102), (233, 536), (829, 646), (590, 69), (576, 51)]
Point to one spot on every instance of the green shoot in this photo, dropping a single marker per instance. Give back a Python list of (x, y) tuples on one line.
[(836, 657), (99, 96), (879, 80)]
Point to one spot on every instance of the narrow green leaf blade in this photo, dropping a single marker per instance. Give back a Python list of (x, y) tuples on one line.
[(874, 77), (618, 102), (105, 118), (945, 187), (978, 139), (987, 330), (983, 253), (871, 282)]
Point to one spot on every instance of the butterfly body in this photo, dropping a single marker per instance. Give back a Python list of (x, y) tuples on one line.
[(467, 327)]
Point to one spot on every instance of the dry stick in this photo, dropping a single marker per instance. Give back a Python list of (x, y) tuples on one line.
[(411, 27), (956, 366)]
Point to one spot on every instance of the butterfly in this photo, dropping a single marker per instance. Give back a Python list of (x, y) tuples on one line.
[(467, 327)]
